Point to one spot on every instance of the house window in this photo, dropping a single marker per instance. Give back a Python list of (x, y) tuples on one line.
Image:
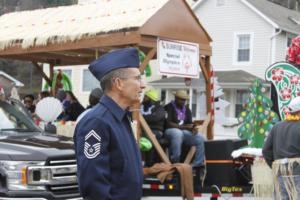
[(289, 41), (68, 72), (89, 82), (292, 4), (194, 103), (243, 48), (220, 3), (241, 98), (290, 37), (163, 96)]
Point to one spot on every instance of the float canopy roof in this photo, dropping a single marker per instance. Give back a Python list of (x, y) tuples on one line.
[(71, 35)]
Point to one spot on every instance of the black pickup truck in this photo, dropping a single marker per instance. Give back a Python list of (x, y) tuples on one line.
[(34, 165)]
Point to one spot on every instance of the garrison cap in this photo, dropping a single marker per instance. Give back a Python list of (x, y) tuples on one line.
[(120, 58)]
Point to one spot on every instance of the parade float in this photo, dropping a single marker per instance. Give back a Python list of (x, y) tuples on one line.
[(78, 34)]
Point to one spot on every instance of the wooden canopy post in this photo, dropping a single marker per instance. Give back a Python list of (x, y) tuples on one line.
[(203, 68), (209, 100), (40, 68), (147, 59), (136, 108), (206, 71), (51, 72), (154, 141)]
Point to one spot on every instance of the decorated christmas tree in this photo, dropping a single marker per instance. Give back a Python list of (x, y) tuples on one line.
[(257, 118)]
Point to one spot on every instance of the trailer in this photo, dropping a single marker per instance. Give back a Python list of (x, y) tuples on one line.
[(226, 177)]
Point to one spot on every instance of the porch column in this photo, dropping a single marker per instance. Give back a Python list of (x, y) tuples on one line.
[(191, 97)]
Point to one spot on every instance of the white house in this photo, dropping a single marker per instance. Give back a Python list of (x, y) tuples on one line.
[(247, 34)]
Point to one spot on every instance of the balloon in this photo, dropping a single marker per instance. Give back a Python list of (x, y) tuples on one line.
[(145, 144), (48, 109)]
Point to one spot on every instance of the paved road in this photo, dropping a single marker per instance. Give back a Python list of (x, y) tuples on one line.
[(204, 198)]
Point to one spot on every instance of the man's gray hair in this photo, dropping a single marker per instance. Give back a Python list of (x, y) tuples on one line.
[(107, 81)]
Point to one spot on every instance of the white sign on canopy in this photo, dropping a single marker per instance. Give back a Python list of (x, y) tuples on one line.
[(178, 58)]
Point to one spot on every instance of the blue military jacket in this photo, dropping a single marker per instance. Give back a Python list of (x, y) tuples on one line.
[(108, 158)]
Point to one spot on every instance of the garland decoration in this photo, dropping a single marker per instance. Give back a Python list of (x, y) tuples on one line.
[(60, 81), (291, 117), (148, 71)]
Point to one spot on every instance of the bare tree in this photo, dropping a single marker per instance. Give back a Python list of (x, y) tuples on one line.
[(25, 71)]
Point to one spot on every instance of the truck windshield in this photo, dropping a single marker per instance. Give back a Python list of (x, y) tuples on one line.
[(12, 119)]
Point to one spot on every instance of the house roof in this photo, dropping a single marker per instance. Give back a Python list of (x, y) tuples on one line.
[(286, 19), (278, 16), (233, 78), (17, 83)]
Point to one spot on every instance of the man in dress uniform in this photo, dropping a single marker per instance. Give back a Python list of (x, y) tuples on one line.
[(108, 157)]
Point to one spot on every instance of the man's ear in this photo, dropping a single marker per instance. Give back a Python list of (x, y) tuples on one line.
[(119, 84)]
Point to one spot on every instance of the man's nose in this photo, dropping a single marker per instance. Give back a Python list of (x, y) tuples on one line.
[(142, 85)]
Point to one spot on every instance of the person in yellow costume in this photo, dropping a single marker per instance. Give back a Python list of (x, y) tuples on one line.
[(154, 115)]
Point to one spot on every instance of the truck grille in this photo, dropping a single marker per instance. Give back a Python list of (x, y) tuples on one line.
[(63, 176), (57, 175)]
